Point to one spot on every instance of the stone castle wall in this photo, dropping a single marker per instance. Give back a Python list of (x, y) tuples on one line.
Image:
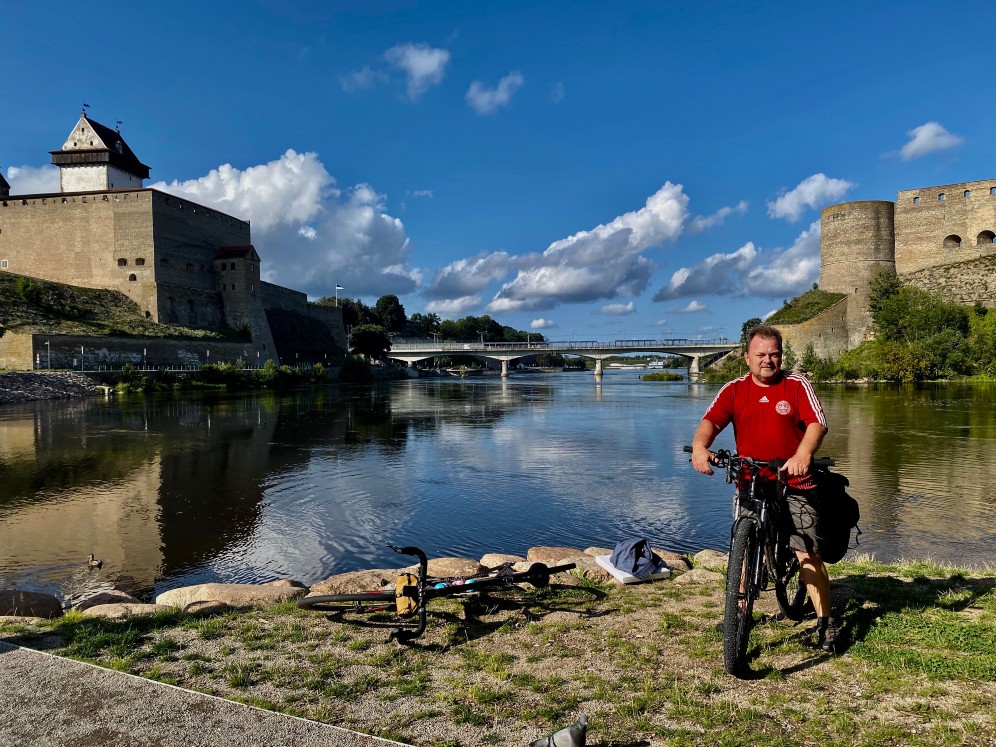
[(828, 331), (945, 224), (22, 351)]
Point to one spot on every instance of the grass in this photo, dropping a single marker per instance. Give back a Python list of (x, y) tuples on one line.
[(644, 662), (33, 305)]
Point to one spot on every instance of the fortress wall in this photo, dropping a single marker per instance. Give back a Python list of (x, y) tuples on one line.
[(17, 351), (286, 299), (187, 235), (828, 331), (78, 239), (924, 221), (114, 352)]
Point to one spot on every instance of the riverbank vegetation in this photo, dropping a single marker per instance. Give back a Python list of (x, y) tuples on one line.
[(919, 336), (918, 666)]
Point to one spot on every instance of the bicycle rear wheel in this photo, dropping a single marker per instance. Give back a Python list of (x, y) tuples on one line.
[(790, 591), (740, 595), (370, 601)]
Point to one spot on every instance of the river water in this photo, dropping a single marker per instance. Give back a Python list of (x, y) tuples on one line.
[(244, 487)]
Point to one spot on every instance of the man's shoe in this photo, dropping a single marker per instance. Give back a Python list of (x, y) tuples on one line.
[(828, 634)]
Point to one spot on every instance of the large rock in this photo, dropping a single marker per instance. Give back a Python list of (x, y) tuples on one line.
[(235, 595), (356, 582), (675, 561), (452, 567), (495, 559), (105, 597), (699, 576), (552, 555), (117, 611), (29, 604), (712, 560)]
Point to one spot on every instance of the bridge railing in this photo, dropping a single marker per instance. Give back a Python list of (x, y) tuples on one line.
[(469, 346)]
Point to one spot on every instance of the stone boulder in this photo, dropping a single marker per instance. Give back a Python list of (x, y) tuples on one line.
[(593, 551), (105, 597), (235, 595), (116, 611), (675, 561), (699, 576), (552, 555), (449, 567), (19, 603), (206, 609), (712, 560), (355, 582), (495, 559)]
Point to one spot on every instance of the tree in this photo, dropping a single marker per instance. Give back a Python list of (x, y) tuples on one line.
[(390, 313), (370, 341), (747, 327), (788, 358), (424, 325)]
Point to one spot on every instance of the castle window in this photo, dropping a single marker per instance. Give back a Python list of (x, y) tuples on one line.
[(190, 266), (953, 241), (941, 197), (3, 264), (202, 267), (132, 277), (163, 262), (986, 237), (122, 262), (968, 193), (916, 200), (233, 286), (140, 261), (224, 266), (992, 190)]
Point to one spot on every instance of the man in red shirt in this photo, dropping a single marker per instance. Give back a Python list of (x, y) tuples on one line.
[(776, 415)]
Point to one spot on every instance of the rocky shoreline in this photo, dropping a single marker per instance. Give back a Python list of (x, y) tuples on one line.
[(216, 598), (28, 387)]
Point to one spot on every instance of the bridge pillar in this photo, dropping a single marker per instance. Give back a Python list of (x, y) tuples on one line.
[(598, 369), (695, 368), (504, 369)]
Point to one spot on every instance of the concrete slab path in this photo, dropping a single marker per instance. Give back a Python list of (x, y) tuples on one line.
[(49, 701)]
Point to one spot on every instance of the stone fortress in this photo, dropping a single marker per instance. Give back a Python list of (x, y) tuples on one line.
[(181, 262), (937, 238)]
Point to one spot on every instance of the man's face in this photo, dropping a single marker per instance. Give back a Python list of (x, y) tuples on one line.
[(764, 359)]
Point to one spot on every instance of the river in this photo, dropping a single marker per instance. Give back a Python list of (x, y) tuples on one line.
[(252, 486)]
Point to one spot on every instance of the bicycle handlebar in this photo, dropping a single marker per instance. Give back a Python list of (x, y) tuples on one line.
[(724, 457)]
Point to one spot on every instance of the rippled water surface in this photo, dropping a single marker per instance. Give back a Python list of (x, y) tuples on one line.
[(255, 486)]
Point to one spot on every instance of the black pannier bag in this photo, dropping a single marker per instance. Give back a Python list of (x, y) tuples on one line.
[(839, 514)]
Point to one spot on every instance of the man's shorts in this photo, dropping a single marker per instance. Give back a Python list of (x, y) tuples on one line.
[(802, 522)]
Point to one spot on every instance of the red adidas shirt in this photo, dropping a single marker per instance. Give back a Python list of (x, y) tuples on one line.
[(768, 421)]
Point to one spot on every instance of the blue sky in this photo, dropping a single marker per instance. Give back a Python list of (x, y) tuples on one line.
[(588, 170)]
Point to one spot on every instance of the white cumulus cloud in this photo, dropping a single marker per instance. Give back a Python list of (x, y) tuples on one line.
[(470, 276), (423, 66), (484, 100), (450, 308), (747, 271), (604, 263), (542, 323), (619, 309), (928, 138), (812, 192), (691, 307), (33, 180), (310, 234), (702, 222)]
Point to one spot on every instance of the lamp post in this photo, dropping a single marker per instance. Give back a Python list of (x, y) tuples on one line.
[(144, 352), (48, 354), (337, 289)]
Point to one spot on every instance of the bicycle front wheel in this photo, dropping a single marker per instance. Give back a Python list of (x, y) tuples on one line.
[(370, 601), (741, 592)]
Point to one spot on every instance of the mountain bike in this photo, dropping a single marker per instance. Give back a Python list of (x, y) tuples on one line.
[(414, 590), (759, 552)]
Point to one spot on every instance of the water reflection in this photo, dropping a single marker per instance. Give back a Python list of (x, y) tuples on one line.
[(253, 486)]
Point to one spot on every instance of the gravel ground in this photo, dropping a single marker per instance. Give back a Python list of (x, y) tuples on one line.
[(26, 387)]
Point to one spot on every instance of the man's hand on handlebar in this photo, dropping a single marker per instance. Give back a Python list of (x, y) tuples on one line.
[(797, 465), (703, 459)]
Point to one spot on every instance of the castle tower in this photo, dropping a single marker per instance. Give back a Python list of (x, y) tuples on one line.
[(857, 242), (4, 186), (95, 157)]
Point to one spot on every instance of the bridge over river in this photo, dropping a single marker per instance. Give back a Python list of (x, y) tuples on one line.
[(697, 351)]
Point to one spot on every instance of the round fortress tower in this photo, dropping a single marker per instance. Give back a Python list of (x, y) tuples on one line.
[(857, 242)]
